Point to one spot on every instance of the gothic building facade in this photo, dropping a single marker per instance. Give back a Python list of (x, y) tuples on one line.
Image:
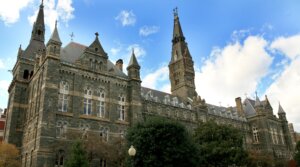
[(77, 88)]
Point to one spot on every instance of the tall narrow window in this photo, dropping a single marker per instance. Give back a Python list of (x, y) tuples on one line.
[(87, 102), (63, 97), (102, 162), (255, 134), (60, 158), (121, 107), (282, 137), (101, 104)]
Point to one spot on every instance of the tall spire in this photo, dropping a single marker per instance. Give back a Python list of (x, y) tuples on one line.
[(181, 67), (38, 31), (36, 44), (177, 31)]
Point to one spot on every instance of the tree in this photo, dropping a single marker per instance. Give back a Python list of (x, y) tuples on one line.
[(78, 156), (297, 153), (9, 155), (219, 145), (161, 143)]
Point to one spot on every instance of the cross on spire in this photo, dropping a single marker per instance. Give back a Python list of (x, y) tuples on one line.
[(175, 11)]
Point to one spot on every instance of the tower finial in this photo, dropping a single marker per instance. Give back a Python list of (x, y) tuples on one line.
[(132, 50), (175, 12), (42, 3), (97, 34), (55, 23)]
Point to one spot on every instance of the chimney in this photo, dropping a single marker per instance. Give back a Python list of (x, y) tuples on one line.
[(239, 106), (119, 64)]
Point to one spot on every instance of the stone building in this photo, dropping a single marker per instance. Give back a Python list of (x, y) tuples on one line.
[(77, 88), (2, 123)]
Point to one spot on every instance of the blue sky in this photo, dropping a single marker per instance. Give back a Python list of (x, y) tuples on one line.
[(238, 47)]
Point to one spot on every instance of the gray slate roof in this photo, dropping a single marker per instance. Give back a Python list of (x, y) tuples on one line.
[(72, 52)]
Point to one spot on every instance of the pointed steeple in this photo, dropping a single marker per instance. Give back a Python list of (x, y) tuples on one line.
[(177, 31), (38, 31), (133, 62), (181, 66), (20, 51), (133, 69), (257, 101), (55, 36), (36, 45), (267, 104), (280, 109)]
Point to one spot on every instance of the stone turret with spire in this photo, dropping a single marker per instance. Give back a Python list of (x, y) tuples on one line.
[(181, 66), (281, 113), (54, 43), (258, 105), (133, 68)]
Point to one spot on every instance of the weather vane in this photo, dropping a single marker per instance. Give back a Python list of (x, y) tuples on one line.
[(72, 36)]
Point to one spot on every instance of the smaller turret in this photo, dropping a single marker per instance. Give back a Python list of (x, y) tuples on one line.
[(258, 105), (267, 106), (133, 68), (54, 43), (281, 113)]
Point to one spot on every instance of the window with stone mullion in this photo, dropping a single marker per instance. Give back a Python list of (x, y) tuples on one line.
[(121, 108), (101, 104), (87, 106), (63, 97), (87, 102)]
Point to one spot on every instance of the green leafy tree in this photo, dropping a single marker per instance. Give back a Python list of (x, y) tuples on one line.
[(78, 156), (297, 154), (219, 145), (161, 143)]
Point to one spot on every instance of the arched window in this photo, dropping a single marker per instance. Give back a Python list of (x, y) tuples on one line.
[(63, 96), (60, 158), (121, 107), (255, 134), (101, 103), (87, 102), (25, 74)]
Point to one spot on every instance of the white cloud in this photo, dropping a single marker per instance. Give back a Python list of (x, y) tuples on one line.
[(148, 30), (139, 51), (115, 51), (286, 89), (10, 10), (61, 10), (288, 45), (127, 18), (233, 70), (157, 79)]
